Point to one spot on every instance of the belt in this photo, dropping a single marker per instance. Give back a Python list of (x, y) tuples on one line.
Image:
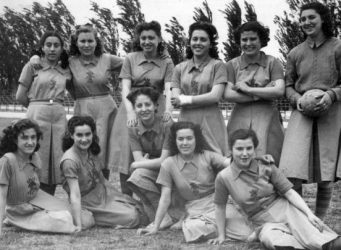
[(47, 101), (262, 207), (92, 96)]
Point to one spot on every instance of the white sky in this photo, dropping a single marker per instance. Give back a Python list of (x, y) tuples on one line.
[(163, 10)]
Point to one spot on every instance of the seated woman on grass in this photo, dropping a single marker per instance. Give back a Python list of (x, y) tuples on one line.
[(27, 206), (191, 170), (281, 218), (85, 183)]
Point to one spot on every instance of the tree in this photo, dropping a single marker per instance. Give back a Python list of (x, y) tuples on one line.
[(203, 15), (130, 17), (176, 47), (250, 14), (106, 25)]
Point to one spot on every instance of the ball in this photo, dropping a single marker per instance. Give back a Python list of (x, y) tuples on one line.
[(309, 101)]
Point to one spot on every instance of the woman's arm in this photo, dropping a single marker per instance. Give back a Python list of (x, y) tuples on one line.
[(126, 87), (75, 199), (21, 95), (232, 95), (274, 90), (3, 200), (296, 200), (162, 208), (142, 161), (220, 217), (169, 108)]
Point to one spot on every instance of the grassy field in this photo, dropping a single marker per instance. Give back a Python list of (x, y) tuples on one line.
[(108, 238)]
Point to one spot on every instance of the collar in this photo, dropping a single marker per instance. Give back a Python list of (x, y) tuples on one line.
[(245, 61), (142, 59), (45, 66), (236, 171), (156, 126), (192, 66), (182, 162), (315, 43), (93, 61), (35, 162)]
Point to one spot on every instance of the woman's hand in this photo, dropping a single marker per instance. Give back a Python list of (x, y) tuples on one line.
[(315, 221), (78, 229), (216, 241), (147, 231), (132, 120), (175, 101), (241, 86), (35, 61), (324, 103), (166, 116)]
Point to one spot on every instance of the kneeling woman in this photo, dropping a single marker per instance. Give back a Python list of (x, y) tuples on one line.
[(28, 207), (84, 181), (281, 216), (191, 171)]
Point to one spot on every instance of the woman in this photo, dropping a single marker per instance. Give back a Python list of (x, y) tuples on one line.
[(91, 70), (312, 146), (27, 207), (42, 90), (198, 84), (255, 80), (85, 183), (281, 217), (149, 145), (146, 67), (191, 170)]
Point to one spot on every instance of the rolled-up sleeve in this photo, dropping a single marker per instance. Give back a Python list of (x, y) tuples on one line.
[(70, 169)]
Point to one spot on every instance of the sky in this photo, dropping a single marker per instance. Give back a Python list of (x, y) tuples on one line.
[(164, 10)]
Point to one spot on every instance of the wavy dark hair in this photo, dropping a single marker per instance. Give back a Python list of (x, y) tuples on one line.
[(200, 142), (154, 26), (86, 28), (324, 12), (262, 32), (64, 57), (71, 126), (242, 134), (212, 33), (147, 91), (8, 142)]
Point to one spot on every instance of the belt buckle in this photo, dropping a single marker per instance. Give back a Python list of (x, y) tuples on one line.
[(50, 101)]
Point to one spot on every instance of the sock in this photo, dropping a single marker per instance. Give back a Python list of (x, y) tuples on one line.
[(323, 197)]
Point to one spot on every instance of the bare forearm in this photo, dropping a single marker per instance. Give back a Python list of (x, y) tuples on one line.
[(220, 214), (168, 94), (3, 201), (152, 164), (268, 92), (295, 199), (161, 210), (76, 209)]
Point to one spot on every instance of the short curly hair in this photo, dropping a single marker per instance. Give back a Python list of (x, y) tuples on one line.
[(201, 143), (86, 28), (147, 91), (75, 121), (212, 33), (324, 12), (255, 26), (8, 142), (153, 25), (242, 134)]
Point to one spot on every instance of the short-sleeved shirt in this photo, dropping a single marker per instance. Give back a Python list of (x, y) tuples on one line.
[(254, 188), (193, 179), (21, 177), (196, 81), (88, 173), (314, 66), (147, 72), (91, 78), (46, 83), (152, 140), (256, 74)]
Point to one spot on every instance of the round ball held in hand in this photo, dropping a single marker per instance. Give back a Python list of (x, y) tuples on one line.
[(309, 101)]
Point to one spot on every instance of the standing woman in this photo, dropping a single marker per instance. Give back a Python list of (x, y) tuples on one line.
[(146, 67), (198, 85), (42, 90), (91, 70), (255, 80), (311, 149)]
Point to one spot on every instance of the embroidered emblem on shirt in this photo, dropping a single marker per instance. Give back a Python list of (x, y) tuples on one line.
[(52, 83), (194, 87), (195, 188), (254, 194), (146, 82), (33, 186), (90, 76)]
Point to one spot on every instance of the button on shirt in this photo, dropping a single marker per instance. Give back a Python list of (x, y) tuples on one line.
[(253, 189)]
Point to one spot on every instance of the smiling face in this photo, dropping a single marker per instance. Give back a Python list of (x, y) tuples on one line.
[(200, 43), (86, 44), (185, 142), (311, 22), (27, 142), (52, 49), (149, 41), (250, 43), (243, 151), (145, 109), (82, 137)]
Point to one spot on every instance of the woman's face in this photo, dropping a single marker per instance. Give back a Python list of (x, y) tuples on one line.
[(311, 22), (86, 44), (144, 108), (200, 43), (27, 142), (243, 151), (149, 41), (52, 48), (185, 142), (250, 43), (82, 137)]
